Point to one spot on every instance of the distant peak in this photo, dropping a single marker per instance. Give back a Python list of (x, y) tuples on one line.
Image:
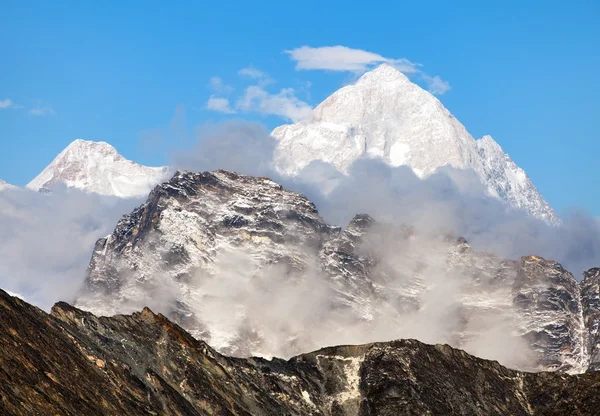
[(383, 73), (97, 167)]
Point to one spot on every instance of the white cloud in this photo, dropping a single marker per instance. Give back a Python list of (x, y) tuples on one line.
[(219, 104), (42, 110), (435, 84), (261, 78), (217, 85), (283, 104), (342, 58), (251, 72), (8, 103), (338, 58)]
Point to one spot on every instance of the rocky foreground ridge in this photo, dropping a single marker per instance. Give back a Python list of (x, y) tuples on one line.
[(71, 362)]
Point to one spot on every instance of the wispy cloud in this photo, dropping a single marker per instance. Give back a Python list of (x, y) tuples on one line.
[(257, 99), (261, 78), (219, 104), (342, 58), (41, 109), (251, 72), (435, 84), (283, 104), (216, 84), (9, 104)]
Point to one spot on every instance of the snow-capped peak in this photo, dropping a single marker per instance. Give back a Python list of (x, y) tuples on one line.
[(384, 115), (97, 167)]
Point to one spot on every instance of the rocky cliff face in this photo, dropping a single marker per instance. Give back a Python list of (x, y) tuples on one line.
[(253, 269), (72, 362)]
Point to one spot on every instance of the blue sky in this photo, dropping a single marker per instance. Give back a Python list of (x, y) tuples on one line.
[(120, 71)]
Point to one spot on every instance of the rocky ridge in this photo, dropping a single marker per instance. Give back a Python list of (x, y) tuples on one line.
[(71, 362)]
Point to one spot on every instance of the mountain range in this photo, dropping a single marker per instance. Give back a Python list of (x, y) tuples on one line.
[(383, 116), (251, 268)]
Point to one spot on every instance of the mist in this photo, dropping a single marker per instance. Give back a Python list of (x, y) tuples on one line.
[(451, 201), (47, 240)]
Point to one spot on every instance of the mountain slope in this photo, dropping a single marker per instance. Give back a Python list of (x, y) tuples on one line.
[(211, 249), (97, 167), (5, 185), (384, 115), (72, 362)]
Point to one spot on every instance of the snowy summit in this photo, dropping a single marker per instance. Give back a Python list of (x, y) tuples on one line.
[(97, 167), (384, 115)]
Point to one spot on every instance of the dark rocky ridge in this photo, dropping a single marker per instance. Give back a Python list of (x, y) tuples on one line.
[(72, 363), (178, 239)]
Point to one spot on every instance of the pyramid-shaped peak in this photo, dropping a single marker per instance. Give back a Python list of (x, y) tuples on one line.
[(383, 73)]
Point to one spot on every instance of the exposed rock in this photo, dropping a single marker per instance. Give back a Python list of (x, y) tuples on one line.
[(72, 363), (590, 297), (547, 297)]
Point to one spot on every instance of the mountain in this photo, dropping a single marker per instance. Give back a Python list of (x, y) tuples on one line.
[(252, 268), (5, 185), (74, 363), (97, 167), (384, 115)]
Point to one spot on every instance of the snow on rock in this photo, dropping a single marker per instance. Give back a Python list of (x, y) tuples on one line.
[(97, 167), (252, 268), (384, 115)]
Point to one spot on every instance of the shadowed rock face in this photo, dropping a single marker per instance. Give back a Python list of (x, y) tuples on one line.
[(74, 363)]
